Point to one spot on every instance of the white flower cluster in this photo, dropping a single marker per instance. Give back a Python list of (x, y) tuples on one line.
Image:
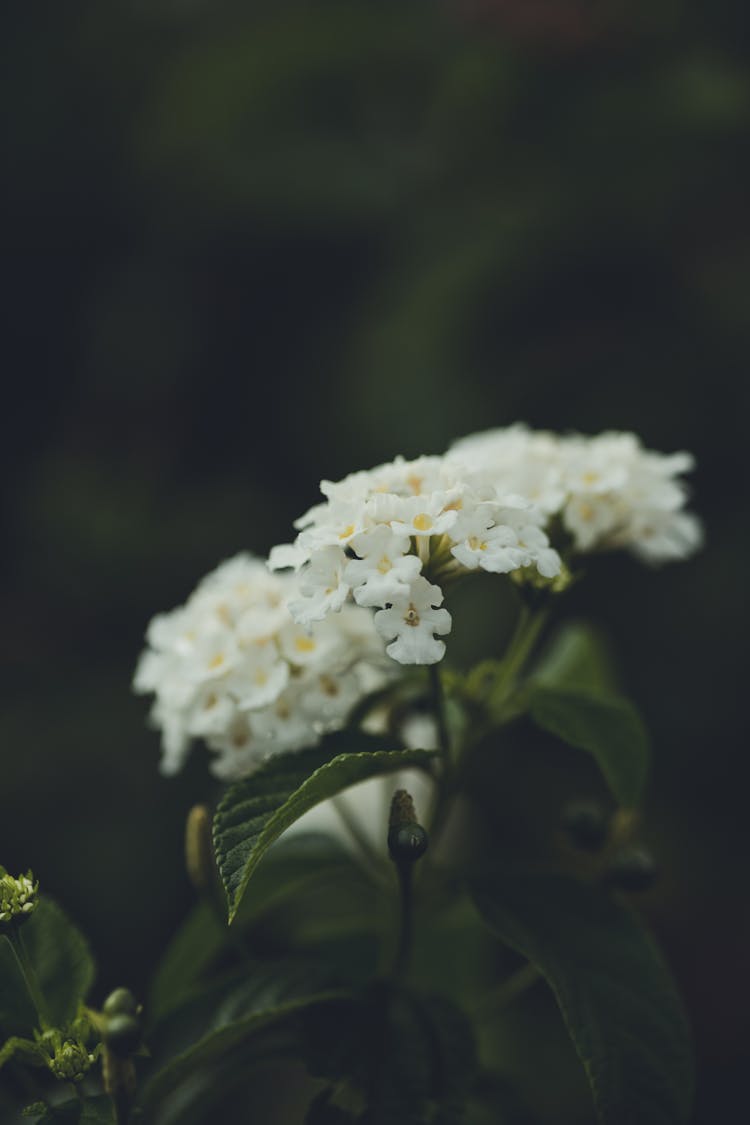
[(233, 668), (608, 491), (389, 538)]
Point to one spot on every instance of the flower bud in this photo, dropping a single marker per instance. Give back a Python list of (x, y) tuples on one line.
[(122, 1035), (18, 897), (586, 824), (199, 856), (632, 869), (407, 840), (70, 1061), (121, 1002)]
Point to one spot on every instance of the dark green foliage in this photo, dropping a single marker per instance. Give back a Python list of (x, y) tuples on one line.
[(17, 1012), (632, 869), (247, 1032), (586, 824), (393, 1056), (61, 958), (572, 693), (615, 993), (607, 726), (577, 656), (93, 1111)]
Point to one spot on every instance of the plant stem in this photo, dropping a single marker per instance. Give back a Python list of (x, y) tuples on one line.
[(525, 635), (32, 982), (406, 919), (445, 781), (438, 703)]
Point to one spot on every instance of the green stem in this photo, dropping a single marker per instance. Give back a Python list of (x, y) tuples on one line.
[(438, 703), (526, 634), (32, 982), (406, 920), (445, 781)]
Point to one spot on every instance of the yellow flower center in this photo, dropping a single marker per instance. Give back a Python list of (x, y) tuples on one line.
[(384, 565), (304, 644), (411, 617), (423, 522)]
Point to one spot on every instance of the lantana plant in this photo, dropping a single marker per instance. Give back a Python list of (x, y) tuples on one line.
[(367, 927)]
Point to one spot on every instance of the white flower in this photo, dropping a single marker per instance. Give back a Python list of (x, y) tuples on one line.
[(323, 587), (608, 491), (412, 622), (386, 535), (383, 571), (423, 515), (233, 668)]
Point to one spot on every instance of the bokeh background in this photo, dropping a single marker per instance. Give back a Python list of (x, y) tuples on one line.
[(249, 245)]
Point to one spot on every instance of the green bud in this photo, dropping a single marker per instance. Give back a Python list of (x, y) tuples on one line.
[(199, 855), (35, 1109), (18, 897), (633, 869), (70, 1061), (407, 843), (407, 840), (122, 1034), (121, 1002), (530, 577), (586, 824)]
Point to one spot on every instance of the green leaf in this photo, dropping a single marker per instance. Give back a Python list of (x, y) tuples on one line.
[(607, 726), (401, 1057), (577, 656), (292, 871), (93, 1111), (615, 993), (17, 1011), (255, 812), (214, 1046), (198, 941), (24, 1051), (61, 958)]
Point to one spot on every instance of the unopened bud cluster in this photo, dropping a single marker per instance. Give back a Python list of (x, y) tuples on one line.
[(70, 1061), (18, 897)]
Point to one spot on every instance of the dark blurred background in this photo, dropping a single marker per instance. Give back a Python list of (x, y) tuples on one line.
[(248, 245)]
